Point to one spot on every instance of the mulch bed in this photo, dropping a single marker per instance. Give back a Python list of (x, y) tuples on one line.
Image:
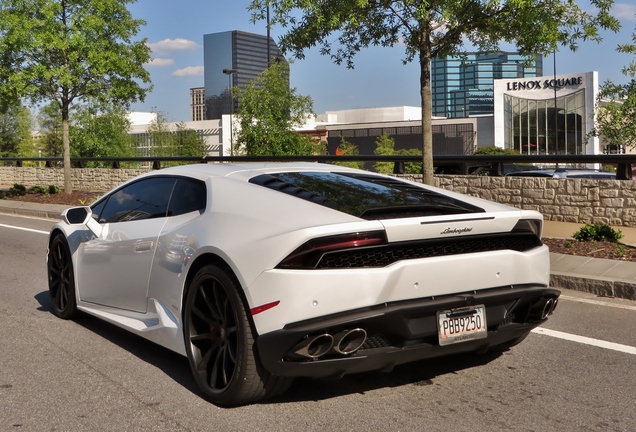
[(592, 249), (76, 198)]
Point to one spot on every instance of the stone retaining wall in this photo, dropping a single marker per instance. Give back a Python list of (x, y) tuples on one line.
[(565, 200), (568, 200), (89, 179)]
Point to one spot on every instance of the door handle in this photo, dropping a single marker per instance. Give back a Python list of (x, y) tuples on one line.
[(143, 246)]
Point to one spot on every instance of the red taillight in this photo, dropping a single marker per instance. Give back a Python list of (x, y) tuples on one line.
[(308, 255), (258, 309)]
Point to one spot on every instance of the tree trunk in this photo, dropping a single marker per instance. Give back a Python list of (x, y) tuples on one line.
[(427, 107), (68, 187)]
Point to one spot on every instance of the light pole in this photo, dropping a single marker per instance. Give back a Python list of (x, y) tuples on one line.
[(556, 112), (229, 73), (269, 54)]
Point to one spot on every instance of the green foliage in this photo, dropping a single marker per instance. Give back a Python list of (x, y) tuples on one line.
[(431, 29), (616, 104), (621, 250), (494, 150), (17, 190), (50, 121), (70, 51), (268, 114), (100, 132), (411, 167), (180, 142), (348, 149), (616, 118), (38, 190), (15, 130), (385, 145), (598, 232)]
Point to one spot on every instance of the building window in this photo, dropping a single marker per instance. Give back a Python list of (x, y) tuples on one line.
[(535, 127)]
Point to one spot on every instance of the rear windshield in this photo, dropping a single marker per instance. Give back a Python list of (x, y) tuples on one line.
[(366, 196)]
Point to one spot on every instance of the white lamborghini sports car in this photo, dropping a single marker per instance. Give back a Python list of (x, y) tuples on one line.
[(260, 273)]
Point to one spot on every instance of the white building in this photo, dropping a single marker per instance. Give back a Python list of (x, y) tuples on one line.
[(526, 119)]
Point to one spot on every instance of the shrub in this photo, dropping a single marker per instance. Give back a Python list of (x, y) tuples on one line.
[(38, 190), (17, 190), (53, 189), (598, 232)]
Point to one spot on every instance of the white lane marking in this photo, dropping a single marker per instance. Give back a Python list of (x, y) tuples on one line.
[(24, 229), (586, 340), (598, 302)]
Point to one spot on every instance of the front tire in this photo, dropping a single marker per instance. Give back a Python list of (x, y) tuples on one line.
[(220, 343), (61, 278)]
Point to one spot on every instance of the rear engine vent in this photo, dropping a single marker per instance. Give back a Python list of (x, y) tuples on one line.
[(386, 254)]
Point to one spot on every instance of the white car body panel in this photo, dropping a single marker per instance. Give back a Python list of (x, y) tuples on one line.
[(251, 229), (310, 294)]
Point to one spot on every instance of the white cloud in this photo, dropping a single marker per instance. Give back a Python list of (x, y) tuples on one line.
[(160, 62), (624, 11), (171, 45), (189, 71)]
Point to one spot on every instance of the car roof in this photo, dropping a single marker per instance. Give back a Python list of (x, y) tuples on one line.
[(203, 171)]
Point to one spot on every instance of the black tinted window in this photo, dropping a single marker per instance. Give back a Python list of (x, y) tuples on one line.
[(97, 208), (144, 199), (366, 196), (189, 195)]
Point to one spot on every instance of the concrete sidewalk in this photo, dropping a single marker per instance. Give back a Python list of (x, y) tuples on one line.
[(603, 277), (606, 278)]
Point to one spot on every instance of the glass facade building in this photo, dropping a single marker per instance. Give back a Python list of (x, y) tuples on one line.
[(535, 127), (232, 59), (463, 87), (547, 115)]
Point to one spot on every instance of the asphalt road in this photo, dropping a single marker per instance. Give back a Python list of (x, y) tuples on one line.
[(579, 374)]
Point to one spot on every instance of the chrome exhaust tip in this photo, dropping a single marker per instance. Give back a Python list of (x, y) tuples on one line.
[(547, 308), (349, 341), (312, 347), (554, 305)]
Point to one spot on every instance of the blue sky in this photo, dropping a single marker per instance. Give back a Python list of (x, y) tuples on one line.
[(175, 33)]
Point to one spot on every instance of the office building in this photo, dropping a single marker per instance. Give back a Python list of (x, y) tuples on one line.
[(197, 103), (463, 87), (233, 59)]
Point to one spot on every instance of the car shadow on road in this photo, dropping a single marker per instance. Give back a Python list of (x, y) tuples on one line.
[(420, 373), (172, 364)]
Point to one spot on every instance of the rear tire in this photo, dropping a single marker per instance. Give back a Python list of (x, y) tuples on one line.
[(220, 345), (61, 278)]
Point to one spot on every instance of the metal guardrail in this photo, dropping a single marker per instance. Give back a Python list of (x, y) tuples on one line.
[(483, 164)]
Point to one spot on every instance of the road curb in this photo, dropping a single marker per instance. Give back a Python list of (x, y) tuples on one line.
[(600, 286), (28, 209)]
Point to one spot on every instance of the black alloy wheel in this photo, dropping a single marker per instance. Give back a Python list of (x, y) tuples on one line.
[(61, 278), (220, 343)]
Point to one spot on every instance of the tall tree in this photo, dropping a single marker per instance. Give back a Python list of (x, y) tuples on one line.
[(50, 127), (100, 131), (15, 129), (177, 141), (616, 116), (68, 51), (430, 29), (268, 113)]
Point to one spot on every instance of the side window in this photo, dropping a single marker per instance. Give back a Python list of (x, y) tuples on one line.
[(189, 195), (97, 208), (144, 199)]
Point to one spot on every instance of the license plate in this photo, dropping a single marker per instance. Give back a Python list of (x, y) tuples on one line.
[(462, 324)]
